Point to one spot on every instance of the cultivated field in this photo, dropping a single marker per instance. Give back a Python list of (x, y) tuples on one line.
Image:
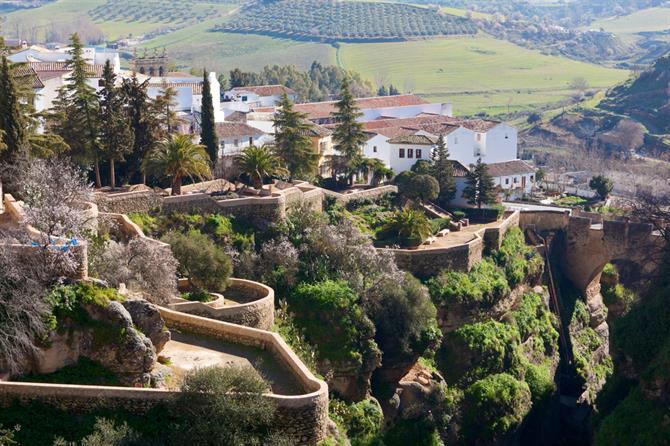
[(477, 73), (649, 20)]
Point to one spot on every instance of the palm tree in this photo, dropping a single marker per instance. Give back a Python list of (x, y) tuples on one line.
[(410, 226), (259, 163), (177, 157)]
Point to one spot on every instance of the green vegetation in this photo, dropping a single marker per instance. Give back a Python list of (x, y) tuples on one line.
[(482, 287), (345, 21), (494, 406), (520, 260), (334, 322), (361, 422), (601, 185), (570, 201), (66, 302), (645, 20), (84, 372), (477, 74), (408, 227), (259, 164), (206, 265)]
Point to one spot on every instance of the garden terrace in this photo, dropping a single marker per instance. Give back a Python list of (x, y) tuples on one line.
[(345, 21)]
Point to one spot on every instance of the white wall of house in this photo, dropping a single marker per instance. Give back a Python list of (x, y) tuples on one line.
[(378, 147), (458, 200), (521, 182), (403, 156), (45, 97), (234, 145), (254, 100), (406, 111), (499, 144)]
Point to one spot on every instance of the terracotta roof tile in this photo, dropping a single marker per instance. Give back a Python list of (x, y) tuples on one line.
[(413, 139), (265, 90), (232, 129), (321, 110), (507, 168)]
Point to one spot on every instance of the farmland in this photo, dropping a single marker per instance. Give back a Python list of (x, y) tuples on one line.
[(346, 21), (646, 20), (478, 73)]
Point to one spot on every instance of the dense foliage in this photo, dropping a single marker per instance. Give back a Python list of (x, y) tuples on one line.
[(345, 21)]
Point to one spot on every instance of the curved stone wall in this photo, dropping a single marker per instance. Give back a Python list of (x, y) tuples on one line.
[(258, 313)]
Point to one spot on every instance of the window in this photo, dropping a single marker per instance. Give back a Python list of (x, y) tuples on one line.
[(516, 180), (237, 143), (374, 149), (506, 180), (322, 146), (418, 153), (244, 99), (251, 141), (401, 153), (410, 153), (506, 136)]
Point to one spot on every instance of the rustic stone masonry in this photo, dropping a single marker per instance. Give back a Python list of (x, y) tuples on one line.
[(257, 313), (303, 417)]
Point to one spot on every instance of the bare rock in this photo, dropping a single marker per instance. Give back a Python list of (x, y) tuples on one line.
[(148, 320)]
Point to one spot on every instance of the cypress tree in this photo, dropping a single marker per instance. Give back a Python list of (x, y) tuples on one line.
[(208, 137), (393, 91), (348, 136), (480, 187), (12, 118), (382, 91), (76, 111), (292, 143), (443, 171), (115, 131), (144, 123)]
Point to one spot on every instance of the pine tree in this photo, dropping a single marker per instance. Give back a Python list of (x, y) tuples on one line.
[(348, 136), (165, 105), (393, 91), (292, 143), (443, 171), (382, 91), (76, 111), (208, 137), (480, 187), (12, 118), (144, 123), (115, 131)]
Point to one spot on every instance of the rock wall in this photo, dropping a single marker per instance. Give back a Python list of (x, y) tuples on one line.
[(128, 202), (363, 194), (432, 261), (258, 313), (493, 237)]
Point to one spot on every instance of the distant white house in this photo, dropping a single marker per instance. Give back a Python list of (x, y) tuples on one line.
[(234, 137), (248, 98), (516, 178), (189, 92), (406, 150), (93, 56)]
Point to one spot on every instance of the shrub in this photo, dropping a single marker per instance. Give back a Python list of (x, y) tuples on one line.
[(520, 261), (408, 226), (438, 224), (362, 421), (533, 319), (334, 321), (106, 433), (539, 382), (223, 406), (405, 320), (494, 406), (206, 265), (483, 286), (7, 436)]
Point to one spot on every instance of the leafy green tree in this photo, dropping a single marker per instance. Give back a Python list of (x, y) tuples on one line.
[(443, 171), (208, 137), (602, 186), (480, 187), (348, 136), (378, 170), (116, 134), (422, 167), (259, 163), (218, 406), (76, 112), (292, 142), (422, 188), (13, 123), (410, 226), (178, 157), (144, 123), (201, 261)]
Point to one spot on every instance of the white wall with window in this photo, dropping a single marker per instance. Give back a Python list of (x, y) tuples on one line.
[(404, 156)]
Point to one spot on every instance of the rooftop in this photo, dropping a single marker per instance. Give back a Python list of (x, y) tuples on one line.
[(507, 168), (413, 139), (320, 110), (265, 90), (232, 129)]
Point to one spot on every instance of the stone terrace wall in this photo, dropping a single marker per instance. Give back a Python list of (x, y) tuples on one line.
[(258, 313), (543, 221), (373, 193), (303, 417), (493, 237), (128, 202), (432, 261)]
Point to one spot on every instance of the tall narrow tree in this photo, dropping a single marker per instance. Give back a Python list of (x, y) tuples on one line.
[(75, 113), (144, 123), (13, 121), (208, 137), (292, 142), (115, 130), (165, 105), (480, 187), (348, 135), (443, 171)]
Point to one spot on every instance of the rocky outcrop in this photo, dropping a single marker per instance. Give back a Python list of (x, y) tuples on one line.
[(148, 320), (350, 382), (106, 334)]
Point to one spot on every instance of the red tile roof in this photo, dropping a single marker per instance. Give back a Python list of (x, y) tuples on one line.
[(508, 168), (321, 110), (265, 90), (413, 139), (478, 125), (232, 129), (93, 70)]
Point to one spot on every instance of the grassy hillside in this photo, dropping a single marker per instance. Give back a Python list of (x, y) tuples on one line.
[(476, 74), (646, 20)]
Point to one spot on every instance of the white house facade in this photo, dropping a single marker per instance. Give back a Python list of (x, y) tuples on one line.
[(248, 98), (405, 151)]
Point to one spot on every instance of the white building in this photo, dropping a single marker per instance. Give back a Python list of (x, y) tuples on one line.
[(93, 56), (249, 98), (234, 137), (406, 150), (515, 178), (189, 92)]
